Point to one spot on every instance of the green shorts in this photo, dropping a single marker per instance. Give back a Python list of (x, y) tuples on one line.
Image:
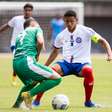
[(29, 70)]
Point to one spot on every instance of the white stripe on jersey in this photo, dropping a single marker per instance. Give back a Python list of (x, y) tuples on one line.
[(37, 69)]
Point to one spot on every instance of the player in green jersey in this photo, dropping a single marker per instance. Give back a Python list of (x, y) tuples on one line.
[(28, 47)]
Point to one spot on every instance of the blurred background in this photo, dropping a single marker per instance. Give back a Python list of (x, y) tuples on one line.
[(93, 13)]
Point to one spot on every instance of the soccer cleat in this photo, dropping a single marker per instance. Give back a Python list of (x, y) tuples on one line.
[(35, 103), (91, 104), (23, 106), (15, 106), (27, 99), (14, 81)]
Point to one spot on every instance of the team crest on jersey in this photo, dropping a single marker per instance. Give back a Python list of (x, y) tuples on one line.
[(78, 40)]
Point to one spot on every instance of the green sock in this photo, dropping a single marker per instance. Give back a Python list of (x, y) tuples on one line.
[(44, 86), (19, 98)]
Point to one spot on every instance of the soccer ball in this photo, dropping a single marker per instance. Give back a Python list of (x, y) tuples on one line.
[(60, 101)]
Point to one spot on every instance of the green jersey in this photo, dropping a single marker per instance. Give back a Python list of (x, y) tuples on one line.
[(26, 42)]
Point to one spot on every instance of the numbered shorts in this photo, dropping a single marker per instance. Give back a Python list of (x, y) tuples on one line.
[(29, 70)]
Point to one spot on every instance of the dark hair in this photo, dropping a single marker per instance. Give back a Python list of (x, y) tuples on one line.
[(27, 22), (70, 13), (28, 5)]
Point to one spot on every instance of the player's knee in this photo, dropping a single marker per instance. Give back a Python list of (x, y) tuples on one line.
[(57, 69), (87, 71), (55, 75)]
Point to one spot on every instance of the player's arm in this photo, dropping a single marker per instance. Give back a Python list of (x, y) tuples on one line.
[(104, 44), (40, 44), (9, 24), (52, 56), (4, 27), (107, 47), (56, 47)]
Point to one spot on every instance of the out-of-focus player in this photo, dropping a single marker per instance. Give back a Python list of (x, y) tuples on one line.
[(17, 24)]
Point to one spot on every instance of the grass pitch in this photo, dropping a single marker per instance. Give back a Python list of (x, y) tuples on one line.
[(70, 86)]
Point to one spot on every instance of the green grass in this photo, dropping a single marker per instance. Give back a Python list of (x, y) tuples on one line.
[(70, 86)]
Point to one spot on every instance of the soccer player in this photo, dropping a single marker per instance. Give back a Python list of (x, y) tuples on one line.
[(17, 24), (25, 63), (75, 41)]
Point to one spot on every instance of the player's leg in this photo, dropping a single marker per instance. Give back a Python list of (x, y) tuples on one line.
[(42, 87), (22, 70), (39, 96), (47, 77), (19, 99), (87, 73), (14, 77)]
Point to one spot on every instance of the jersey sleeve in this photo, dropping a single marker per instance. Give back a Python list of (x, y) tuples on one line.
[(11, 23), (39, 32), (93, 35), (58, 41)]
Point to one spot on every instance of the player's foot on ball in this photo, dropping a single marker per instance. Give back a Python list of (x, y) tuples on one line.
[(91, 104), (27, 99), (35, 103)]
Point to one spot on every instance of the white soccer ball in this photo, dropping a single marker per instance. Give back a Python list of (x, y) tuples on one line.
[(60, 101)]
